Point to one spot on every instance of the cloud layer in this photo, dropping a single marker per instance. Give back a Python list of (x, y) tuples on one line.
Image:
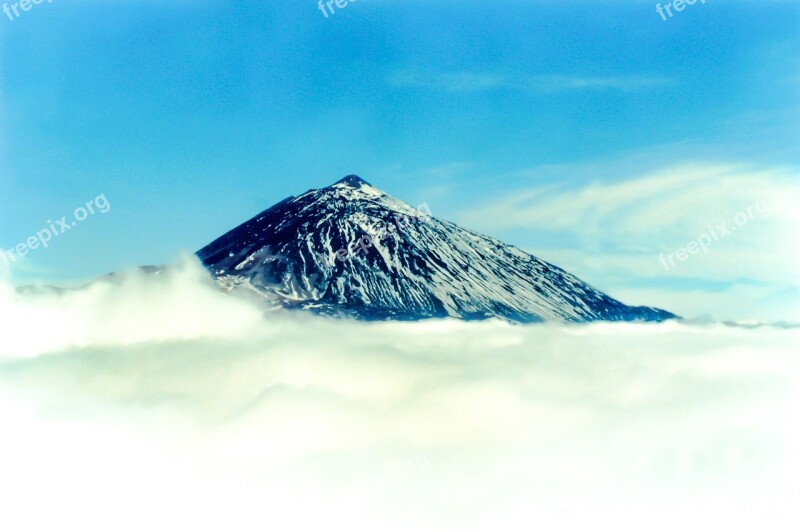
[(157, 401)]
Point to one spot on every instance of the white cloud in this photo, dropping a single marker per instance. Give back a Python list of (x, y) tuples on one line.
[(157, 403), (623, 227), (476, 82), (455, 82), (622, 83)]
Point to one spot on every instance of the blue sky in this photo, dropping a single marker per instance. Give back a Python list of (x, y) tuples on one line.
[(631, 133)]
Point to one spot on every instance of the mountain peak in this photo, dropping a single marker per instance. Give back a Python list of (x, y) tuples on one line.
[(366, 260), (352, 181)]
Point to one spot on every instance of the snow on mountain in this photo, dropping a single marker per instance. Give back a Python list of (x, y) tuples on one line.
[(350, 249)]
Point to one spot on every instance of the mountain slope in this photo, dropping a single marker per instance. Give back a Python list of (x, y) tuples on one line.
[(350, 249)]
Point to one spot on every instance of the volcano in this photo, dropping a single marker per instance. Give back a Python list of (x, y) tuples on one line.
[(351, 250)]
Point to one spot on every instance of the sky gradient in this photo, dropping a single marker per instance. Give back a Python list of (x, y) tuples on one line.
[(594, 134)]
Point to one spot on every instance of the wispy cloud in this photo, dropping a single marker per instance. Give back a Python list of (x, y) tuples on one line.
[(613, 232), (454, 82), (622, 83), (477, 82)]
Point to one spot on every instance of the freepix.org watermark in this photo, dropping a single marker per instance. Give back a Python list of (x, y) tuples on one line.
[(24, 5), (326, 6), (43, 237), (383, 230), (677, 5), (714, 234)]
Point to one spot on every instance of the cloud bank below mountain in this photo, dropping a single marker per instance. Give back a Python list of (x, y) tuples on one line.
[(155, 399)]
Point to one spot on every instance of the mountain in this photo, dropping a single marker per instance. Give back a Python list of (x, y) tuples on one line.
[(352, 250)]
